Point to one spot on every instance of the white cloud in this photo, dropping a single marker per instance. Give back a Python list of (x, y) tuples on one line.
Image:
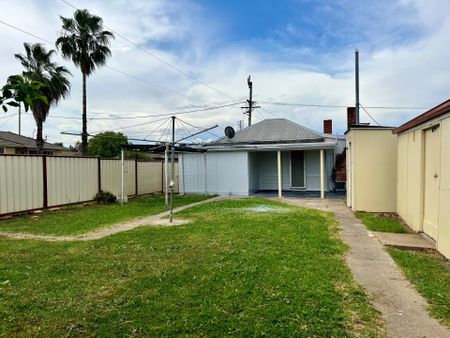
[(415, 72)]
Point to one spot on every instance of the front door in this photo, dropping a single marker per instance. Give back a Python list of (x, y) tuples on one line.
[(431, 183), (297, 169)]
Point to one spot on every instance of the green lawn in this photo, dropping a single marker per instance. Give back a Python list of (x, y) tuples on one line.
[(430, 273), (381, 222), (247, 267), (79, 219)]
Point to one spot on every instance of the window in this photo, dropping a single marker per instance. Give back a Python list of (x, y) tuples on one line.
[(297, 169), (2, 150)]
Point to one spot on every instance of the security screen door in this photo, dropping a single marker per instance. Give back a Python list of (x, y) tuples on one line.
[(297, 169)]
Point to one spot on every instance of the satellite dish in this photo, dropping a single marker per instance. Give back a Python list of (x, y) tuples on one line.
[(229, 132)]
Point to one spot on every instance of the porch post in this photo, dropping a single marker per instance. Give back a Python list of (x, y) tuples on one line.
[(280, 182), (322, 175)]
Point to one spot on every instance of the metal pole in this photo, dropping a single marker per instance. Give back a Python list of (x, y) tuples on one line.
[(357, 86), (279, 173), (20, 118), (250, 101), (166, 175), (172, 181), (322, 175), (122, 164)]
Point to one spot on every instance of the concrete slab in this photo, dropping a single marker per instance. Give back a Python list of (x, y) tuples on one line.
[(406, 241)]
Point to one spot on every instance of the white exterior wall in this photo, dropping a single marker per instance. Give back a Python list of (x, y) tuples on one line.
[(227, 173), (223, 173), (192, 173)]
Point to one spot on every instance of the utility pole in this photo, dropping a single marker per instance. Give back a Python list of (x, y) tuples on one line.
[(20, 121), (250, 101), (172, 181), (166, 175), (357, 86)]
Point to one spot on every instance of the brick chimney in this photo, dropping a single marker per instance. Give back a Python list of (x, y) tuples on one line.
[(328, 126), (351, 117)]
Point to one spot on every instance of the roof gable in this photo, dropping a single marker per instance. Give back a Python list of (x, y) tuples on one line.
[(278, 130)]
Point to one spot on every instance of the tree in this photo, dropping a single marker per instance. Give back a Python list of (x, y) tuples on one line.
[(107, 144), (39, 68), (19, 89), (84, 41)]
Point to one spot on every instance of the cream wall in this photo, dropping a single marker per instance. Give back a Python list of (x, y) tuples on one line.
[(443, 242), (410, 183), (371, 170)]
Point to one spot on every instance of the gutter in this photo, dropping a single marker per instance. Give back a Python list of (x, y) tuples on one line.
[(287, 146)]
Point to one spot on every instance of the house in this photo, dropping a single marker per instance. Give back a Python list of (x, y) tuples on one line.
[(12, 143), (274, 155), (404, 170)]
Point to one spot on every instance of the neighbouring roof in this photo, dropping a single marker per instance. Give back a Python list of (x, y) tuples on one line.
[(13, 140), (272, 131), (439, 110)]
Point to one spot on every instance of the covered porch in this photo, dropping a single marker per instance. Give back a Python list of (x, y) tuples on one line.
[(287, 172)]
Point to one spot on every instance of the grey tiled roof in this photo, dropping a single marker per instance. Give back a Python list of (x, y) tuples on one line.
[(9, 139), (273, 131)]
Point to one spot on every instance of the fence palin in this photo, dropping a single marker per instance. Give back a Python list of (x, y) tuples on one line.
[(33, 182)]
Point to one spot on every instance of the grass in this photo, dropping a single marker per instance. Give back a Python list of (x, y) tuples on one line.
[(79, 219), (381, 222), (232, 271), (430, 273)]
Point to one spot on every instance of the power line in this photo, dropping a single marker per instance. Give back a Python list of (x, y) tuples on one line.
[(24, 31), (106, 66), (8, 118), (146, 81), (138, 125), (199, 128), (160, 59), (371, 117), (267, 111), (338, 106)]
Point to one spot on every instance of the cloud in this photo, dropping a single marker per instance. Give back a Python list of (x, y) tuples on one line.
[(404, 61)]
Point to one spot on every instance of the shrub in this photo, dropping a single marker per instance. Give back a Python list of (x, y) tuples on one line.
[(105, 197)]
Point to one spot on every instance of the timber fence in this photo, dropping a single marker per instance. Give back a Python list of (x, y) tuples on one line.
[(33, 182)]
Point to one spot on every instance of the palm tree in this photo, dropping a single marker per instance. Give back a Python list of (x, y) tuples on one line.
[(84, 41), (55, 85)]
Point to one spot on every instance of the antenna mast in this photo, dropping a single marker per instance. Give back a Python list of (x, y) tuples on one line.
[(357, 86)]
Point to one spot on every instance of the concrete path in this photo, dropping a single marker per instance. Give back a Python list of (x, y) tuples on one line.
[(405, 241), (155, 220), (402, 307)]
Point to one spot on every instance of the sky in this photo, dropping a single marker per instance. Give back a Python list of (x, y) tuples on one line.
[(192, 54)]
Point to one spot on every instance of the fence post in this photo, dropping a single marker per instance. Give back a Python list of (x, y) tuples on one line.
[(44, 182), (162, 177), (99, 173), (135, 177)]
